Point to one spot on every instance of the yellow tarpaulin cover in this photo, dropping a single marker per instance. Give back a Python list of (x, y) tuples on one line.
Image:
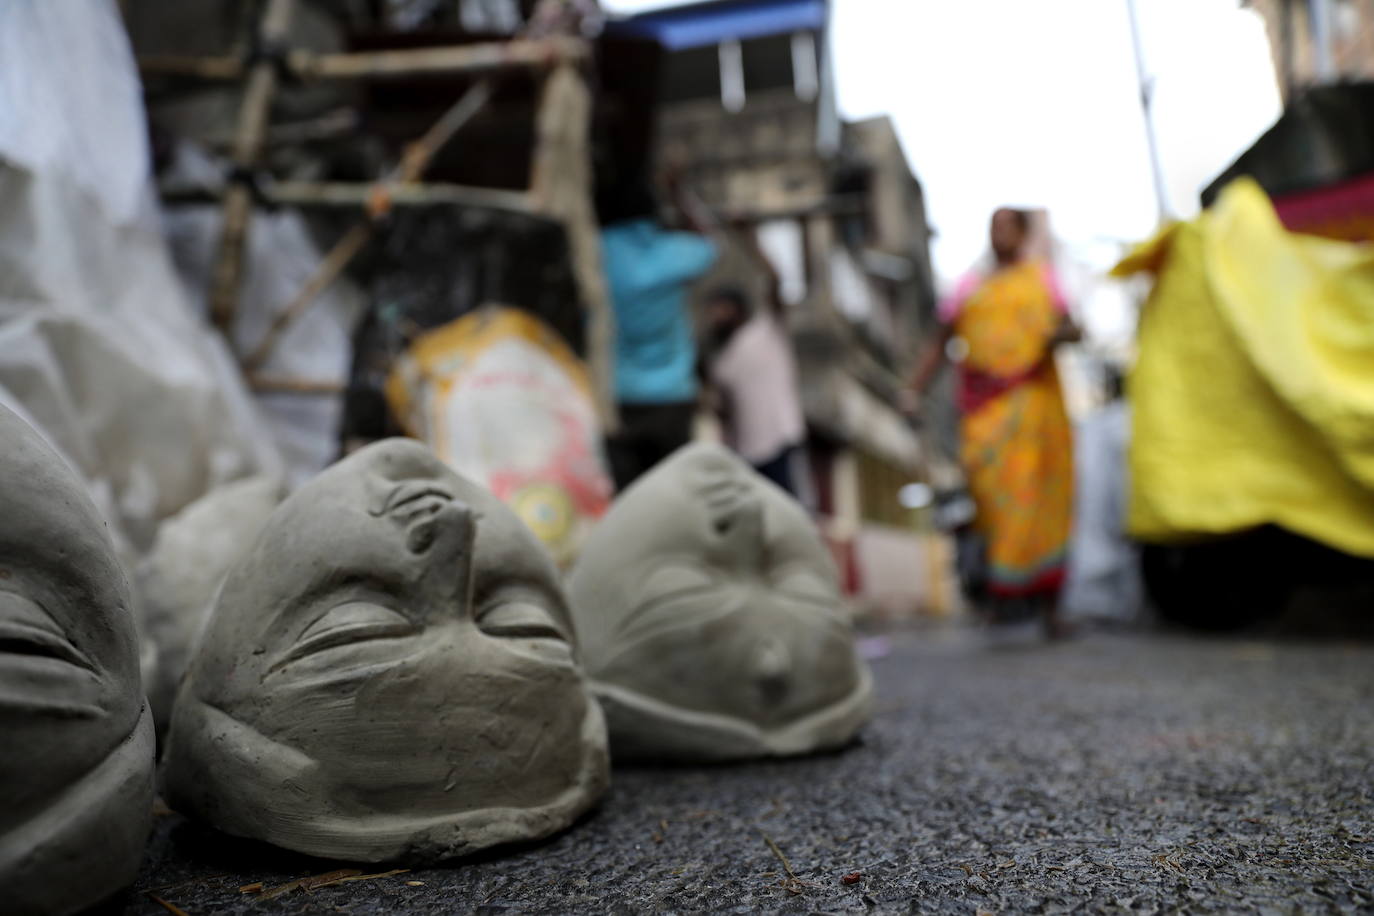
[(1253, 396)]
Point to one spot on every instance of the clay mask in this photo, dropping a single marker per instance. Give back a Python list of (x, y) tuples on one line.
[(388, 674), (76, 762), (711, 622)]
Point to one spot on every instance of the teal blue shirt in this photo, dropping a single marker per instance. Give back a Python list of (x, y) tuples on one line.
[(648, 269)]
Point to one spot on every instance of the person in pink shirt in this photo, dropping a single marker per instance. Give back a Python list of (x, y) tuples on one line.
[(755, 374)]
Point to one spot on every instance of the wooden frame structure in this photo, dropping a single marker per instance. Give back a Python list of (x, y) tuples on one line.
[(560, 185)]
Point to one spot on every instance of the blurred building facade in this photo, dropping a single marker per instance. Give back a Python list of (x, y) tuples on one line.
[(746, 103), (1318, 41)]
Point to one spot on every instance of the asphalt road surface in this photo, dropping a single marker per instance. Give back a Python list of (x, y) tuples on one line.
[(1109, 772)]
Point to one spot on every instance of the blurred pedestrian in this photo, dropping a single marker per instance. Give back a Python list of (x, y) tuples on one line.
[(648, 269), (1002, 325), (753, 371)]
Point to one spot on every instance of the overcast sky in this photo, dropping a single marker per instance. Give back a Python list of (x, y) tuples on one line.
[(1036, 104)]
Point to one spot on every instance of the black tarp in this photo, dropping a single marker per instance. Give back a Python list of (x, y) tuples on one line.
[(1325, 136)]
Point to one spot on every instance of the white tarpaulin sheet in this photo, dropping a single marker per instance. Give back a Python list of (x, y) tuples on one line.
[(279, 260), (1104, 568), (99, 345)]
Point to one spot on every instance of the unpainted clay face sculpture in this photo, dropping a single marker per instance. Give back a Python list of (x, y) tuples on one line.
[(711, 621), (76, 762), (390, 673)]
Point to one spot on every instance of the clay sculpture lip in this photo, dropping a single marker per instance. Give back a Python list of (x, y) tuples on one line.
[(390, 673)]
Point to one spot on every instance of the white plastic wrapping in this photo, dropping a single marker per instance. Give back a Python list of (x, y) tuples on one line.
[(278, 261), (70, 100), (1104, 569), (99, 346)]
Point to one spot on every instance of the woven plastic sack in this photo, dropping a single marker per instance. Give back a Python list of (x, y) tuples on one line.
[(502, 400)]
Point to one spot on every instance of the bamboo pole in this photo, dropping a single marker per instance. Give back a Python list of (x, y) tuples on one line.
[(248, 142), (478, 58), (361, 195), (341, 194), (561, 186), (221, 68), (335, 124), (344, 251), (484, 58)]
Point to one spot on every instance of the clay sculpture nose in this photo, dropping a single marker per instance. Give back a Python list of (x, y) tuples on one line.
[(443, 519), (772, 671), (446, 534)]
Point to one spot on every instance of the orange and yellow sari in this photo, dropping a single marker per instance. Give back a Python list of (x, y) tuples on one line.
[(1017, 444)]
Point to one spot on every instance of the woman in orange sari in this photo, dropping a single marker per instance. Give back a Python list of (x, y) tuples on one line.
[(1016, 440)]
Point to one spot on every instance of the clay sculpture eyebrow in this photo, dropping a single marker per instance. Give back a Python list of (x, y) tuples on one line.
[(404, 492)]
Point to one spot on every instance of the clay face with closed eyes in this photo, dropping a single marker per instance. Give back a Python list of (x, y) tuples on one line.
[(398, 649), (711, 618), (56, 700), (76, 764)]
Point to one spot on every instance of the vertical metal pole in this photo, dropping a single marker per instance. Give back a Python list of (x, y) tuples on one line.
[(1146, 97)]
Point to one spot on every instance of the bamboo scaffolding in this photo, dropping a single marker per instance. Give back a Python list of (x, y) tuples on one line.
[(339, 123), (221, 68), (560, 184), (360, 195), (560, 173), (484, 58), (248, 143), (412, 165)]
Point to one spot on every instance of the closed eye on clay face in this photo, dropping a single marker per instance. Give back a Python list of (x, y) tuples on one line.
[(348, 623), (662, 593), (802, 584), (667, 588), (27, 630), (519, 617), (673, 582)]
